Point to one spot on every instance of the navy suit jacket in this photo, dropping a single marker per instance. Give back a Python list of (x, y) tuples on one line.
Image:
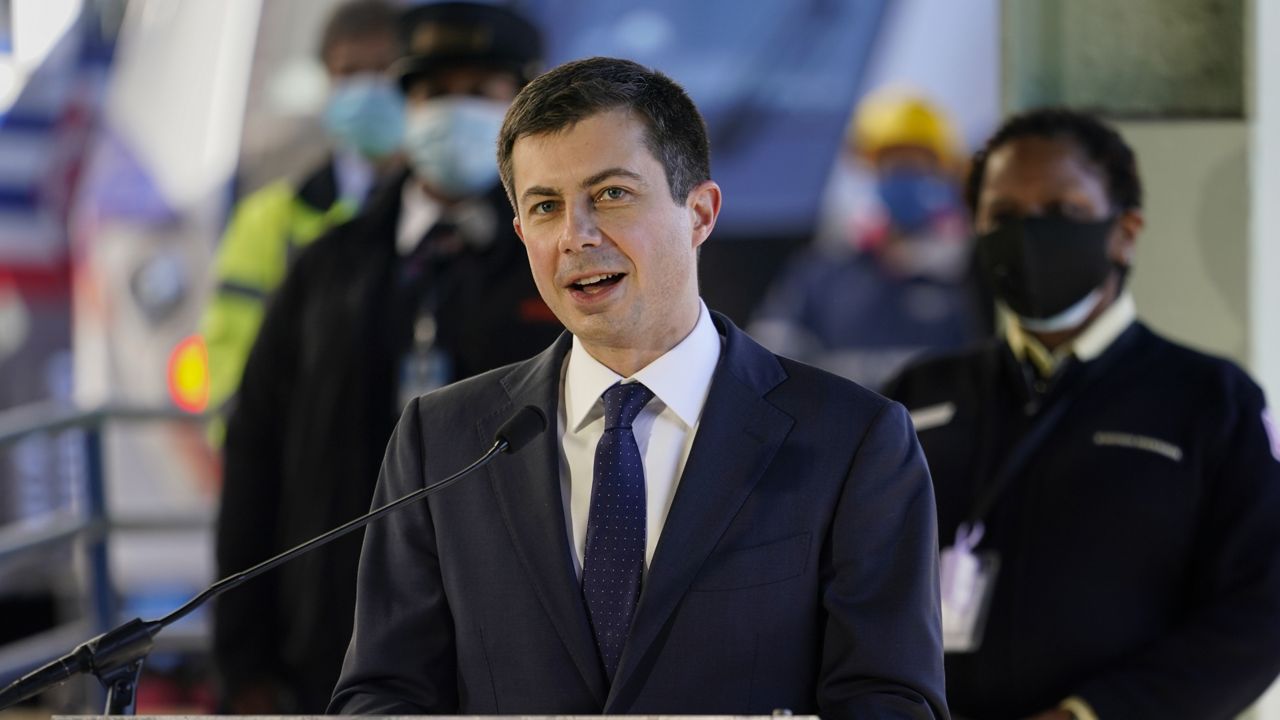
[(797, 567)]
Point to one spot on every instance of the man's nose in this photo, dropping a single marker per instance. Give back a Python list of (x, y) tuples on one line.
[(580, 228)]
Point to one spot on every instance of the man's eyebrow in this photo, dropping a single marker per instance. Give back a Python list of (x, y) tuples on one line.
[(539, 191), (612, 172), (544, 191)]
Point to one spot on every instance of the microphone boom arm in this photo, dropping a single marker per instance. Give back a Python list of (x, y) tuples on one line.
[(116, 656)]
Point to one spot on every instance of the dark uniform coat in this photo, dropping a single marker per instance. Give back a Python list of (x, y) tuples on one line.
[(316, 408), (1139, 544)]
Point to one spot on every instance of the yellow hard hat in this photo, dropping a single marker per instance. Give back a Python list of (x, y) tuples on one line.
[(896, 118)]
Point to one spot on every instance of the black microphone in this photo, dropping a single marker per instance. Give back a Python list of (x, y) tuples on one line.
[(116, 656), (527, 424)]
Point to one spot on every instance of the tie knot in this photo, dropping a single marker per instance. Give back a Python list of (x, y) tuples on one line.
[(623, 402)]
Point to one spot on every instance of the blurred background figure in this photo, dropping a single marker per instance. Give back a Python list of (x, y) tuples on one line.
[(889, 274), (428, 285), (364, 118), (1107, 498)]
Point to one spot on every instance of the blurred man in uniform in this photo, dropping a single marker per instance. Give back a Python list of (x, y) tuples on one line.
[(428, 285), (1109, 499), (364, 116), (888, 275)]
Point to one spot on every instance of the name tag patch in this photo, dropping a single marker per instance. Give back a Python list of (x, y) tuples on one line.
[(1138, 442), (932, 416)]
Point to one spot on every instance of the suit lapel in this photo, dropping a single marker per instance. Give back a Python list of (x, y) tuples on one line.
[(527, 486), (738, 435)]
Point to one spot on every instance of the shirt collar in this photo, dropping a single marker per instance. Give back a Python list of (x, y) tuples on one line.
[(418, 212), (680, 378), (1087, 346), (474, 219)]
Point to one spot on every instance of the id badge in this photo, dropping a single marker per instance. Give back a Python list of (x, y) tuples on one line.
[(967, 582), (422, 371), (425, 367)]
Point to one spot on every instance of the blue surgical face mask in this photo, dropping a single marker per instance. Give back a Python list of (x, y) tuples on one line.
[(366, 113), (914, 198), (452, 143)]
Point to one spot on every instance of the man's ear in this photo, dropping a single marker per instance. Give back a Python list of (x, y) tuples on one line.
[(515, 223), (1124, 237), (703, 204)]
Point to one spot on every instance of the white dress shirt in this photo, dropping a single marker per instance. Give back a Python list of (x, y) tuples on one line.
[(418, 212), (664, 429)]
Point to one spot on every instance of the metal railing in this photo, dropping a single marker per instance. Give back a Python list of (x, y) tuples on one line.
[(89, 526)]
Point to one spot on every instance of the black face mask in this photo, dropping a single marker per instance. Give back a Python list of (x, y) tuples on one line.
[(1040, 266)]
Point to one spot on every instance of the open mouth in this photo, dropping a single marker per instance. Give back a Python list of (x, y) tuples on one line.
[(597, 283)]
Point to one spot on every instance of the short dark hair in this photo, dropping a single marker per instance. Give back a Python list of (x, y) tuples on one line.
[(574, 91), (1099, 142), (358, 19)]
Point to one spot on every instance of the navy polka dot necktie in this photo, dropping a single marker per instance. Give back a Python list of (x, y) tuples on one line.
[(614, 556)]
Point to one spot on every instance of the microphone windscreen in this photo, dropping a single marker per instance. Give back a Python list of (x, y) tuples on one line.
[(527, 423)]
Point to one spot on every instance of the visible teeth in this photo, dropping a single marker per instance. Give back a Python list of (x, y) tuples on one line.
[(595, 279)]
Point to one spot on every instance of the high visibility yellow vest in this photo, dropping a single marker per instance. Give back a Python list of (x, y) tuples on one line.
[(267, 229)]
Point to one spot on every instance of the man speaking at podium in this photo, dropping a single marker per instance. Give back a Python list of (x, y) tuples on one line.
[(705, 528)]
